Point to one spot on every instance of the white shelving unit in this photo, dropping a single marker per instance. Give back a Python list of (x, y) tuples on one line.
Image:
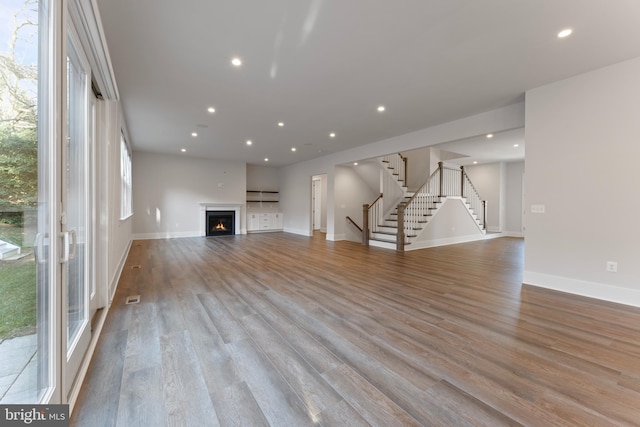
[(263, 211)]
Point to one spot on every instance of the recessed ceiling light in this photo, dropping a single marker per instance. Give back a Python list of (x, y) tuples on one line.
[(516, 145), (194, 134), (565, 33), (249, 142), (332, 135), (211, 110), (381, 109), (280, 124), (293, 148), (355, 163), (489, 135), (475, 162), (236, 62), (266, 159), (184, 150)]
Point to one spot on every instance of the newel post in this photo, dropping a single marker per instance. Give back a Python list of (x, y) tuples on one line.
[(484, 216), (365, 224), (462, 181), (400, 235), (440, 164)]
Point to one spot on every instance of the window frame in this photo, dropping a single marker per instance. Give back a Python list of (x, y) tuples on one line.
[(126, 179)]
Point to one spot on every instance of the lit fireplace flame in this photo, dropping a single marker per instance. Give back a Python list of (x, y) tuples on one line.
[(220, 226)]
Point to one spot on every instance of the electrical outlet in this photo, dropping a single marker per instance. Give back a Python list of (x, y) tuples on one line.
[(539, 209), (612, 266)]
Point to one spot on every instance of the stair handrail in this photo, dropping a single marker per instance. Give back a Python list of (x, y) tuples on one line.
[(354, 223), (470, 193), (370, 218)]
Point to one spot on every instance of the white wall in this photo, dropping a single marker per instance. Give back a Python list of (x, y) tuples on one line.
[(262, 178), (116, 231), (418, 167), (514, 199), (167, 191), (451, 224), (351, 192), (488, 180), (583, 145)]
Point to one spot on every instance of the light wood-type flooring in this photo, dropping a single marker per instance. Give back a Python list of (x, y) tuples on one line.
[(285, 330)]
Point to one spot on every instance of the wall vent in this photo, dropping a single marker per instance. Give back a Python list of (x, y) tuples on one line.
[(133, 299)]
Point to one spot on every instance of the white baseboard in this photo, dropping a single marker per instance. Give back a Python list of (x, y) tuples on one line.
[(584, 288), (513, 234), (166, 235), (450, 241), (116, 278), (298, 231), (336, 237)]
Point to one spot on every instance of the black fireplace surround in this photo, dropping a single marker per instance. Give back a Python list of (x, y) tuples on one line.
[(220, 223)]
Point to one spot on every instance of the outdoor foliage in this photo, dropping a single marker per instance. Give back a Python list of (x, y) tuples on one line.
[(18, 163), (18, 115), (18, 302)]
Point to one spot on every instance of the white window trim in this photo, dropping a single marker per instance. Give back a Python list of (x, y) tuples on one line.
[(126, 180)]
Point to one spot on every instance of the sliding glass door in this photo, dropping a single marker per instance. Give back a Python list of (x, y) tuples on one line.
[(75, 223), (46, 233), (27, 229)]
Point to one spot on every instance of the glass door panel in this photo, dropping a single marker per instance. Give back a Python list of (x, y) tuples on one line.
[(26, 312), (75, 205)]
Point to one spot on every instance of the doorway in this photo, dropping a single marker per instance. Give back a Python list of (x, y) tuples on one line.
[(319, 203)]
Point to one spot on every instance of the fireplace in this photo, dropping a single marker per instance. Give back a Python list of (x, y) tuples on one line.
[(220, 223), (234, 208)]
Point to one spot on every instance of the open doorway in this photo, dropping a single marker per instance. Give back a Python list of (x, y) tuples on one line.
[(319, 203)]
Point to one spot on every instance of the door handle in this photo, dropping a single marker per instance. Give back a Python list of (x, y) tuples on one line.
[(69, 245), (65, 247), (74, 244)]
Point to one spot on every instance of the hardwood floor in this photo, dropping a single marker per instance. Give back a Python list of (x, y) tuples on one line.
[(283, 330)]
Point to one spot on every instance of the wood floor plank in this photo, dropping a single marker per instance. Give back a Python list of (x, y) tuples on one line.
[(141, 400), (185, 394), (279, 403), (284, 330)]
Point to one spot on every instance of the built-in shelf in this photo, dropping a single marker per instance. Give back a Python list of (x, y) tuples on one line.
[(262, 199)]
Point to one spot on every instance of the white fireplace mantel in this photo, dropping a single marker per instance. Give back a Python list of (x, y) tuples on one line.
[(236, 207)]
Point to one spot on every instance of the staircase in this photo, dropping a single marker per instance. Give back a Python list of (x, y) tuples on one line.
[(400, 226)]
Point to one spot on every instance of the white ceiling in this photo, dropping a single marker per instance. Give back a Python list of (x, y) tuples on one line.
[(324, 66)]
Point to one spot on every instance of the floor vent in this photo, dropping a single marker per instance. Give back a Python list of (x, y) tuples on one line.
[(133, 299), (136, 267)]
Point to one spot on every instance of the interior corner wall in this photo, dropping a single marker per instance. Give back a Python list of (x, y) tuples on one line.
[(583, 145), (168, 190)]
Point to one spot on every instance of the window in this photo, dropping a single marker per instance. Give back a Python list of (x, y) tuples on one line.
[(126, 206)]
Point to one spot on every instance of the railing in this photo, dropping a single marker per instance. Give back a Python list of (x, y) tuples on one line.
[(413, 214), (398, 163), (474, 200), (372, 216), (354, 223), (443, 182)]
